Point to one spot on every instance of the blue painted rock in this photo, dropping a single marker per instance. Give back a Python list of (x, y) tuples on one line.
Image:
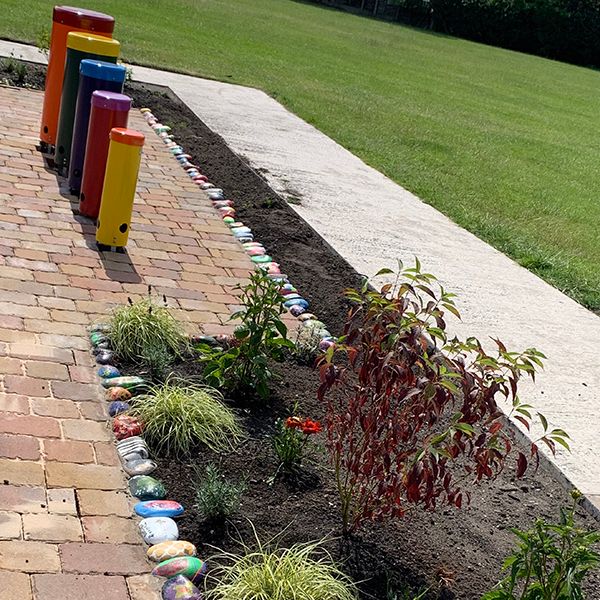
[(115, 394), (166, 550), (158, 508), (180, 588), (147, 488), (117, 407), (158, 529), (241, 231), (138, 465), (108, 371), (297, 310), (296, 302), (129, 383), (189, 566)]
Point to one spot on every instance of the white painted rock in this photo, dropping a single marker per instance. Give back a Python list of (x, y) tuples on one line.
[(156, 530)]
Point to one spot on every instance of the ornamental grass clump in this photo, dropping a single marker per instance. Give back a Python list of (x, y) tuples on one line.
[(302, 572), (140, 328), (177, 417), (413, 407)]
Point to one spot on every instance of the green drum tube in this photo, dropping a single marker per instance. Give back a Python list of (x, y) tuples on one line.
[(80, 46)]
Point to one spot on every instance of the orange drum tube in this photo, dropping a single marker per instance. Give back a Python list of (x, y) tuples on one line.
[(64, 20)]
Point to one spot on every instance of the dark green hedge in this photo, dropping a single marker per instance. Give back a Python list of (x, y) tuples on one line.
[(567, 30)]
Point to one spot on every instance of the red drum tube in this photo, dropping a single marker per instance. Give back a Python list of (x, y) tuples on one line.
[(109, 110)]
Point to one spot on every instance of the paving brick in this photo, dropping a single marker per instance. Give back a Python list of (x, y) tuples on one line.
[(19, 446), (114, 559), (10, 525), (19, 498), (110, 529), (41, 352), (144, 587), (29, 557), (29, 425), (28, 386), (95, 477), (90, 587), (14, 403), (10, 366), (46, 370), (106, 454), (101, 503), (52, 528), (71, 390), (15, 585), (21, 472), (82, 374), (51, 407), (83, 429), (69, 451), (93, 411), (62, 501)]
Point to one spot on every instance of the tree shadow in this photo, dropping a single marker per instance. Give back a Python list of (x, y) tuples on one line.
[(117, 265)]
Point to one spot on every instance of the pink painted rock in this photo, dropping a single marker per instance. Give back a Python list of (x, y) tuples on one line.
[(125, 426)]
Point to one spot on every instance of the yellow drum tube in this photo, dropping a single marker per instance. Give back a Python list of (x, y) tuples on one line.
[(120, 180)]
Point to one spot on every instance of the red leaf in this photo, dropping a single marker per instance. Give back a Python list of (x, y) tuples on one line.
[(521, 465)]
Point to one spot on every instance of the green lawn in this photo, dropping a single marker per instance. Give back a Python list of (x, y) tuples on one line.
[(507, 145)]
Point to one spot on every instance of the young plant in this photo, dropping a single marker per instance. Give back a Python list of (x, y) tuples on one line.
[(178, 417), (290, 441), (551, 560), (217, 498), (412, 407), (306, 345), (260, 338), (301, 572), (156, 361), (143, 326)]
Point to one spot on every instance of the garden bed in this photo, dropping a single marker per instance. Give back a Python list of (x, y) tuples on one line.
[(466, 546)]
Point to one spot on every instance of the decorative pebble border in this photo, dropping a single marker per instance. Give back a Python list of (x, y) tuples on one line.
[(177, 560)]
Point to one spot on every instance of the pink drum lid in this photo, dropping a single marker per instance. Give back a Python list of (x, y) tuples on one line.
[(111, 100)]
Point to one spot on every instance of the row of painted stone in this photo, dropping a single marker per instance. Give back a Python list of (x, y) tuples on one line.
[(293, 301), (177, 560)]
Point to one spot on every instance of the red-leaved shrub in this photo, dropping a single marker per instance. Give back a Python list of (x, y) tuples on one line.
[(412, 408)]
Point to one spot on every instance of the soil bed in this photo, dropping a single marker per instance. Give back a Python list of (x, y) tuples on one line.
[(467, 546)]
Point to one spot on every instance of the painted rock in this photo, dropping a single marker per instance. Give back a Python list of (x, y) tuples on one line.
[(256, 251), (292, 296), (228, 220), (324, 345), (132, 448), (138, 466), (316, 324), (96, 337), (296, 302), (204, 339), (158, 508), (124, 426), (247, 238), (101, 347), (108, 371), (117, 407), (100, 328), (189, 566), (253, 245), (106, 357), (241, 231), (261, 259), (115, 394), (159, 529), (129, 383), (288, 288), (145, 487), (166, 550), (206, 185), (180, 588), (307, 317), (222, 203), (296, 310)]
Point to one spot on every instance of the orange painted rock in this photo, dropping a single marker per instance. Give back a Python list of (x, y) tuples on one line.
[(117, 394)]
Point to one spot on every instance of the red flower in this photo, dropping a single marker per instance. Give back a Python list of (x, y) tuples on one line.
[(309, 426), (293, 423)]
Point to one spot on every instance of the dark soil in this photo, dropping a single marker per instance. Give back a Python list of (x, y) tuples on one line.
[(463, 547)]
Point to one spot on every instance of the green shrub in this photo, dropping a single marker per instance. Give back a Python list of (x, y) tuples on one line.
[(302, 572), (261, 337), (177, 417), (550, 562), (217, 498), (143, 326)]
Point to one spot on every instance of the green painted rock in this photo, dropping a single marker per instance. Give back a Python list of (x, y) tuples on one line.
[(145, 488), (189, 566), (129, 383)]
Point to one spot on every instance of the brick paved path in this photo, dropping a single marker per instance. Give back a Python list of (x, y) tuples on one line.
[(65, 521)]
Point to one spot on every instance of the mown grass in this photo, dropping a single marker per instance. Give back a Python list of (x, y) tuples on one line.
[(505, 144)]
